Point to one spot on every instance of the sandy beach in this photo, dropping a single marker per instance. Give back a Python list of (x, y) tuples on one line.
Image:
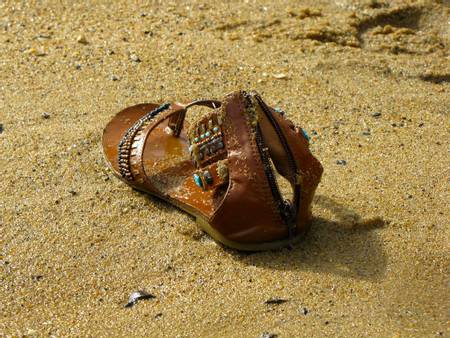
[(368, 80)]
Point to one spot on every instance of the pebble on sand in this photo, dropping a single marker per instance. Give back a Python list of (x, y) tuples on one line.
[(280, 76), (35, 52), (135, 58), (269, 335), (376, 114), (45, 115), (341, 162), (82, 39)]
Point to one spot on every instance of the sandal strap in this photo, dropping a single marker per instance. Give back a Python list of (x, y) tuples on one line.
[(131, 146), (248, 205), (253, 209), (126, 143), (176, 121), (309, 170), (306, 176)]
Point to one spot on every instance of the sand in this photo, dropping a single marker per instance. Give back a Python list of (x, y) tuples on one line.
[(369, 80)]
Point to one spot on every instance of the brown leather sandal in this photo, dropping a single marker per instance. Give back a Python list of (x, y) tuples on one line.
[(221, 168)]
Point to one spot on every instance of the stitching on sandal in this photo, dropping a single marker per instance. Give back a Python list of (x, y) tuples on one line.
[(125, 145)]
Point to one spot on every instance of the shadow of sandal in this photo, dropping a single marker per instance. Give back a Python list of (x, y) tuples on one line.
[(348, 246)]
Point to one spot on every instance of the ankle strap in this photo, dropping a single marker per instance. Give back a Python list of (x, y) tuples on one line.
[(176, 121)]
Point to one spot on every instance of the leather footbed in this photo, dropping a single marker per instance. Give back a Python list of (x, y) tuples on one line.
[(167, 161)]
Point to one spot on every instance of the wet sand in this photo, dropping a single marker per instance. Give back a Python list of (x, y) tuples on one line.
[(369, 80)]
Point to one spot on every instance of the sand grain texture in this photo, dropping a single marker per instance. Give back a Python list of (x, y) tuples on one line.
[(368, 79)]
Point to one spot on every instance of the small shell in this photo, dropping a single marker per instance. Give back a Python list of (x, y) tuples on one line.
[(280, 76), (137, 296)]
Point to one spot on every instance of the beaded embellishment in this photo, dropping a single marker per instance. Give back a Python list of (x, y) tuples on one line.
[(203, 179), (207, 148), (125, 144), (303, 131), (206, 141), (211, 176)]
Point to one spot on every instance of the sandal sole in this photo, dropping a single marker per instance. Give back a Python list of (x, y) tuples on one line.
[(213, 233)]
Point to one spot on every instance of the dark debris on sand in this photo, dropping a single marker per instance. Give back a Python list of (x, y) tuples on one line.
[(275, 301)]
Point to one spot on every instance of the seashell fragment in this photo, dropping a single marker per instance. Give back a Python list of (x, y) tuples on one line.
[(137, 296)]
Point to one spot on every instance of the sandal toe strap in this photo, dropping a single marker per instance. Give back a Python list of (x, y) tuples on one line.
[(126, 144)]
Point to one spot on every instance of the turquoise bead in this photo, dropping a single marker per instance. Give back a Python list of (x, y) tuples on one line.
[(208, 134), (208, 177), (196, 139), (305, 134), (198, 180), (215, 129), (202, 136)]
